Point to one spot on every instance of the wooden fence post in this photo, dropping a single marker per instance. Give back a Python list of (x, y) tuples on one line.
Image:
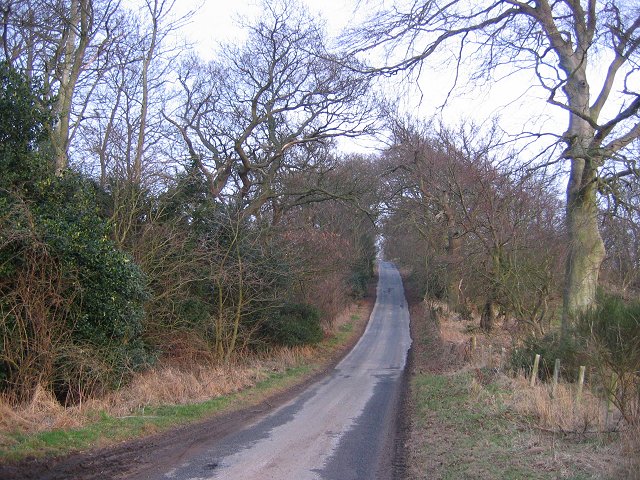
[(556, 374), (580, 383), (534, 372)]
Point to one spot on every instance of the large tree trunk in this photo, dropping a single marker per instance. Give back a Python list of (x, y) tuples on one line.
[(585, 245), (586, 248), (74, 44)]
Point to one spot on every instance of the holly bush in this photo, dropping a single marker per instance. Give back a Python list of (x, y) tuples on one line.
[(64, 286)]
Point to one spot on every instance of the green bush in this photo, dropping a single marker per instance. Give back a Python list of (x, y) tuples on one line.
[(359, 281), (99, 303), (612, 330), (111, 286), (613, 327), (294, 324), (23, 124), (569, 350)]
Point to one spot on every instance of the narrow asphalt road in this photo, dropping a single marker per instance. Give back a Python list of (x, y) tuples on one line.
[(341, 428)]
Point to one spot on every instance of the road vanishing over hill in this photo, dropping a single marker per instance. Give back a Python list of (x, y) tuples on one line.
[(341, 428)]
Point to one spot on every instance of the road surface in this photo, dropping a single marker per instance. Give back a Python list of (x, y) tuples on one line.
[(341, 428)]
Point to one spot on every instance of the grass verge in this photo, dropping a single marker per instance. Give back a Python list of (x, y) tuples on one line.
[(470, 421)]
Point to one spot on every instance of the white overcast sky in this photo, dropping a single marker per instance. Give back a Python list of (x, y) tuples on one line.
[(216, 21)]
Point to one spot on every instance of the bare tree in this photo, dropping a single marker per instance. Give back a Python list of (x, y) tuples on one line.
[(420, 175), (328, 229), (282, 90), (123, 124), (64, 43), (561, 42)]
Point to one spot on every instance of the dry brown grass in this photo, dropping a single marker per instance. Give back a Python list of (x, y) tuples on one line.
[(162, 385), (453, 331), (345, 316), (562, 412), (43, 412), (580, 432), (180, 385), (457, 334)]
